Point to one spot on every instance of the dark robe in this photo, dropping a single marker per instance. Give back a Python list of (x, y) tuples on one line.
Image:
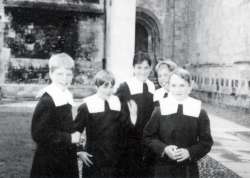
[(55, 155), (137, 160), (104, 122), (189, 129)]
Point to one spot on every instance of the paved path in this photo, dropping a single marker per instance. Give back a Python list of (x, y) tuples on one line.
[(231, 148)]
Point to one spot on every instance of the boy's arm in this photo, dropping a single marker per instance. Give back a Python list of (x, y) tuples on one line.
[(205, 139), (43, 130), (80, 123), (123, 92), (82, 117), (150, 133), (124, 126)]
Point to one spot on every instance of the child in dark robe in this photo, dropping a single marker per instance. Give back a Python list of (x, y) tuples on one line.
[(104, 118), (52, 124), (137, 160), (179, 130)]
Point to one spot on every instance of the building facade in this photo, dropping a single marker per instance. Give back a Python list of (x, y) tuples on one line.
[(32, 30), (89, 30), (210, 38), (218, 50)]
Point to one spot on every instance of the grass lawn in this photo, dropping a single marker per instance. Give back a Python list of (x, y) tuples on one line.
[(17, 148)]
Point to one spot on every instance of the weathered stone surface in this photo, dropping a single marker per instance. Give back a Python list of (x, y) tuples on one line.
[(219, 31), (32, 91), (218, 47), (92, 6)]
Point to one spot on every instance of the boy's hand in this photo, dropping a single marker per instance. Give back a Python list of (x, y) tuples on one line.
[(84, 156), (132, 106), (170, 151), (182, 154)]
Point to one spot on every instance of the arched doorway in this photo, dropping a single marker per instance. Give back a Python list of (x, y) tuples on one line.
[(147, 35)]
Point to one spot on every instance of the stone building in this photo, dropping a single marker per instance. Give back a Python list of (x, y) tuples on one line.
[(218, 50), (210, 38), (89, 30), (32, 30)]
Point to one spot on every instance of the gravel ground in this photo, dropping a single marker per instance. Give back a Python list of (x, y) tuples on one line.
[(210, 168)]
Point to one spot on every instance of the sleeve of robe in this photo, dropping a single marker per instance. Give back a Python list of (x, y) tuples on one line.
[(123, 92), (81, 118), (150, 133), (205, 140)]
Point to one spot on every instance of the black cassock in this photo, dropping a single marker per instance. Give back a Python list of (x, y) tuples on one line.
[(104, 121), (185, 125), (137, 160), (55, 155)]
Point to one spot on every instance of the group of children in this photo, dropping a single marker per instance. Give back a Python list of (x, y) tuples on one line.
[(135, 132)]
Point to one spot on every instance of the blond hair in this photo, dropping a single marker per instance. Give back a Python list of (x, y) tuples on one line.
[(184, 74), (61, 60), (166, 62)]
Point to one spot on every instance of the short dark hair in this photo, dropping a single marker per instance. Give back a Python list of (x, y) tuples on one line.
[(104, 77), (139, 57)]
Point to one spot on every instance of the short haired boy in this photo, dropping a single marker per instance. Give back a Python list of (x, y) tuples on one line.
[(52, 124), (138, 93), (103, 116), (163, 69), (178, 130)]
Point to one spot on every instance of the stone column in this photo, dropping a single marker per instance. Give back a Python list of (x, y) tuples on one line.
[(120, 37), (2, 24)]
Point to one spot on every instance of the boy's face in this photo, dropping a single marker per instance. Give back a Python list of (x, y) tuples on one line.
[(163, 76), (142, 71), (179, 88), (62, 77), (105, 90)]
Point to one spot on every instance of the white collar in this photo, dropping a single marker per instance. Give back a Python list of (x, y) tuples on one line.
[(159, 94), (191, 106), (59, 97), (96, 104), (136, 86)]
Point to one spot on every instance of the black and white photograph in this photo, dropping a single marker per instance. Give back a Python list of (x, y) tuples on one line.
[(124, 88)]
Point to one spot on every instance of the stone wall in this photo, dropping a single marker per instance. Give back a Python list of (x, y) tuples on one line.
[(156, 9), (219, 31), (218, 47), (33, 91), (91, 6), (180, 34), (172, 15)]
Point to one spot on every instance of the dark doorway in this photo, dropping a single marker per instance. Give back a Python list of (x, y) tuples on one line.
[(141, 41), (147, 34)]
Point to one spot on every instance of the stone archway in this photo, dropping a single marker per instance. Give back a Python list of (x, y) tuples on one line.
[(148, 33)]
